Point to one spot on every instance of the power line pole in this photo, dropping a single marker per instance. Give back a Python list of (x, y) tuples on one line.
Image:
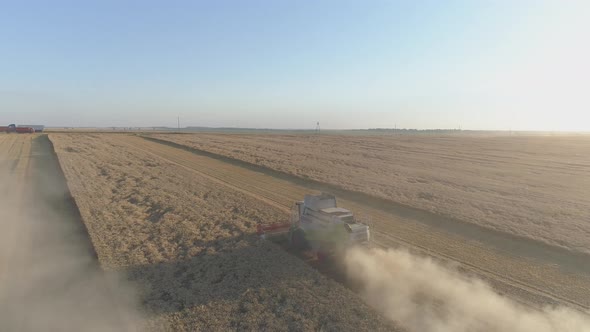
[(179, 123)]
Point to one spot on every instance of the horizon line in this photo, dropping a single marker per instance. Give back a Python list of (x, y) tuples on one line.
[(315, 130)]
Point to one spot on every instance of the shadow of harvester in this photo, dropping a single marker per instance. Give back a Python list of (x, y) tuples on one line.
[(250, 284)]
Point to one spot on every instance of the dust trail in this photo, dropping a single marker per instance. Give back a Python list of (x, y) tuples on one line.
[(49, 279), (425, 296)]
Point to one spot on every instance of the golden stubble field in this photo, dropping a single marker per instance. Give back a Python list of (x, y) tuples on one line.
[(534, 187), (188, 244)]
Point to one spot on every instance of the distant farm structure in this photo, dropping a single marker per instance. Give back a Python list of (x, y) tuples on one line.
[(12, 128)]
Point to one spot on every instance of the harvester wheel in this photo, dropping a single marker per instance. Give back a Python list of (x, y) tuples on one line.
[(322, 257), (298, 240)]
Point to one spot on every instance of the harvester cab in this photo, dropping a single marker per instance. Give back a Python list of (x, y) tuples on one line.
[(320, 225)]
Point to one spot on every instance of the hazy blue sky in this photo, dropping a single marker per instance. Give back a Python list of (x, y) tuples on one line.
[(287, 64)]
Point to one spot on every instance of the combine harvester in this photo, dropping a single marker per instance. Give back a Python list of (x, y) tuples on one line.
[(320, 226), (12, 128)]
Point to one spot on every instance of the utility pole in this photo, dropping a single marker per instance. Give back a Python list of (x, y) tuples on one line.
[(179, 123), (317, 128)]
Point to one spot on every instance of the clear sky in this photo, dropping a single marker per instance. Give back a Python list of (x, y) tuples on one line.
[(523, 65)]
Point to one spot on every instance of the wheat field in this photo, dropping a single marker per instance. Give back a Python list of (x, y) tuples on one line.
[(535, 187), (188, 244)]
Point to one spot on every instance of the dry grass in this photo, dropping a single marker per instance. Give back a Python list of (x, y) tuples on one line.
[(188, 243), (536, 187)]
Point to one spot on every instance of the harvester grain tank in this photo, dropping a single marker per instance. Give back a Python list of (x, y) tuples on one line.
[(320, 225)]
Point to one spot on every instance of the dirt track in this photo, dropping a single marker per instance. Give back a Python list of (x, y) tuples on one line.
[(49, 276), (521, 273)]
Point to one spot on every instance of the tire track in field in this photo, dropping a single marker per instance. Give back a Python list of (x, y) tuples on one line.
[(282, 194)]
